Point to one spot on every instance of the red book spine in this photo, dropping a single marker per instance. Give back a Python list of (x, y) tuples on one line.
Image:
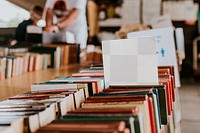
[(173, 87), (96, 87), (169, 98), (152, 118)]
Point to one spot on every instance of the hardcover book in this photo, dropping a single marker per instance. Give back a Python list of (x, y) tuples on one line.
[(98, 82), (132, 121), (106, 127)]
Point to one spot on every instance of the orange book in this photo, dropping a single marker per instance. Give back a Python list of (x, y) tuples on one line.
[(132, 110), (103, 99)]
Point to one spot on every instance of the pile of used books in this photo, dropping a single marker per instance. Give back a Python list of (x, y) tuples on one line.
[(84, 103), (20, 58), (130, 92)]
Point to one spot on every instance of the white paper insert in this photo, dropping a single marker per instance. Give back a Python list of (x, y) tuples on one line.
[(130, 61), (165, 47)]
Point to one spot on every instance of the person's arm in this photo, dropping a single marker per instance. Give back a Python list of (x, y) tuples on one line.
[(49, 17), (68, 19)]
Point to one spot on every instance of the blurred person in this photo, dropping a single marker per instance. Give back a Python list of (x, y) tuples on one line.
[(93, 18), (21, 30), (67, 16)]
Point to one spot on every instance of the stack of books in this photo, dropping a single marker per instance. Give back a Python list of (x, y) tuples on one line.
[(16, 60), (143, 108), (27, 112), (145, 103), (130, 92), (46, 102), (65, 104)]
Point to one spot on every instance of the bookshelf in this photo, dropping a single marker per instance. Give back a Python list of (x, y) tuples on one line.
[(20, 84)]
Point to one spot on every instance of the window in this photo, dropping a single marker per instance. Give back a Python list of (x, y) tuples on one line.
[(11, 15)]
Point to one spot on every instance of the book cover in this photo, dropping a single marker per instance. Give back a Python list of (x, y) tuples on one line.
[(15, 125), (54, 53), (98, 82), (84, 127), (162, 95), (53, 86), (132, 122), (142, 105)]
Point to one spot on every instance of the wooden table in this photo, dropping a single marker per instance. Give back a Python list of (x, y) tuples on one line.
[(20, 84)]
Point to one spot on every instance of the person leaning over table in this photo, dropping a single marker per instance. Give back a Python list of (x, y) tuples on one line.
[(67, 15), (20, 33)]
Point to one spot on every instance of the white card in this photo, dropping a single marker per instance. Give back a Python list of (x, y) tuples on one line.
[(165, 47), (130, 62)]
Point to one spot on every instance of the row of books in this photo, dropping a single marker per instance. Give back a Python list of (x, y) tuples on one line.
[(17, 64), (27, 112), (82, 102), (47, 101), (170, 97), (145, 109), (132, 79), (16, 60)]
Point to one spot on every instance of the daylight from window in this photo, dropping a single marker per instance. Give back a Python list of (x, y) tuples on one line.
[(11, 15)]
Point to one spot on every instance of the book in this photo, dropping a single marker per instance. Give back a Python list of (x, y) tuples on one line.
[(91, 70), (24, 57), (98, 83), (54, 52), (2, 68), (93, 75), (65, 101), (4, 50), (165, 80), (20, 124), (53, 86), (162, 96), (168, 78), (35, 109), (142, 105), (170, 70), (6, 129), (152, 118), (125, 97), (9, 66), (12, 125), (48, 115), (96, 66), (64, 104), (133, 112), (104, 99), (34, 117), (132, 121), (107, 110), (108, 127), (69, 52)]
